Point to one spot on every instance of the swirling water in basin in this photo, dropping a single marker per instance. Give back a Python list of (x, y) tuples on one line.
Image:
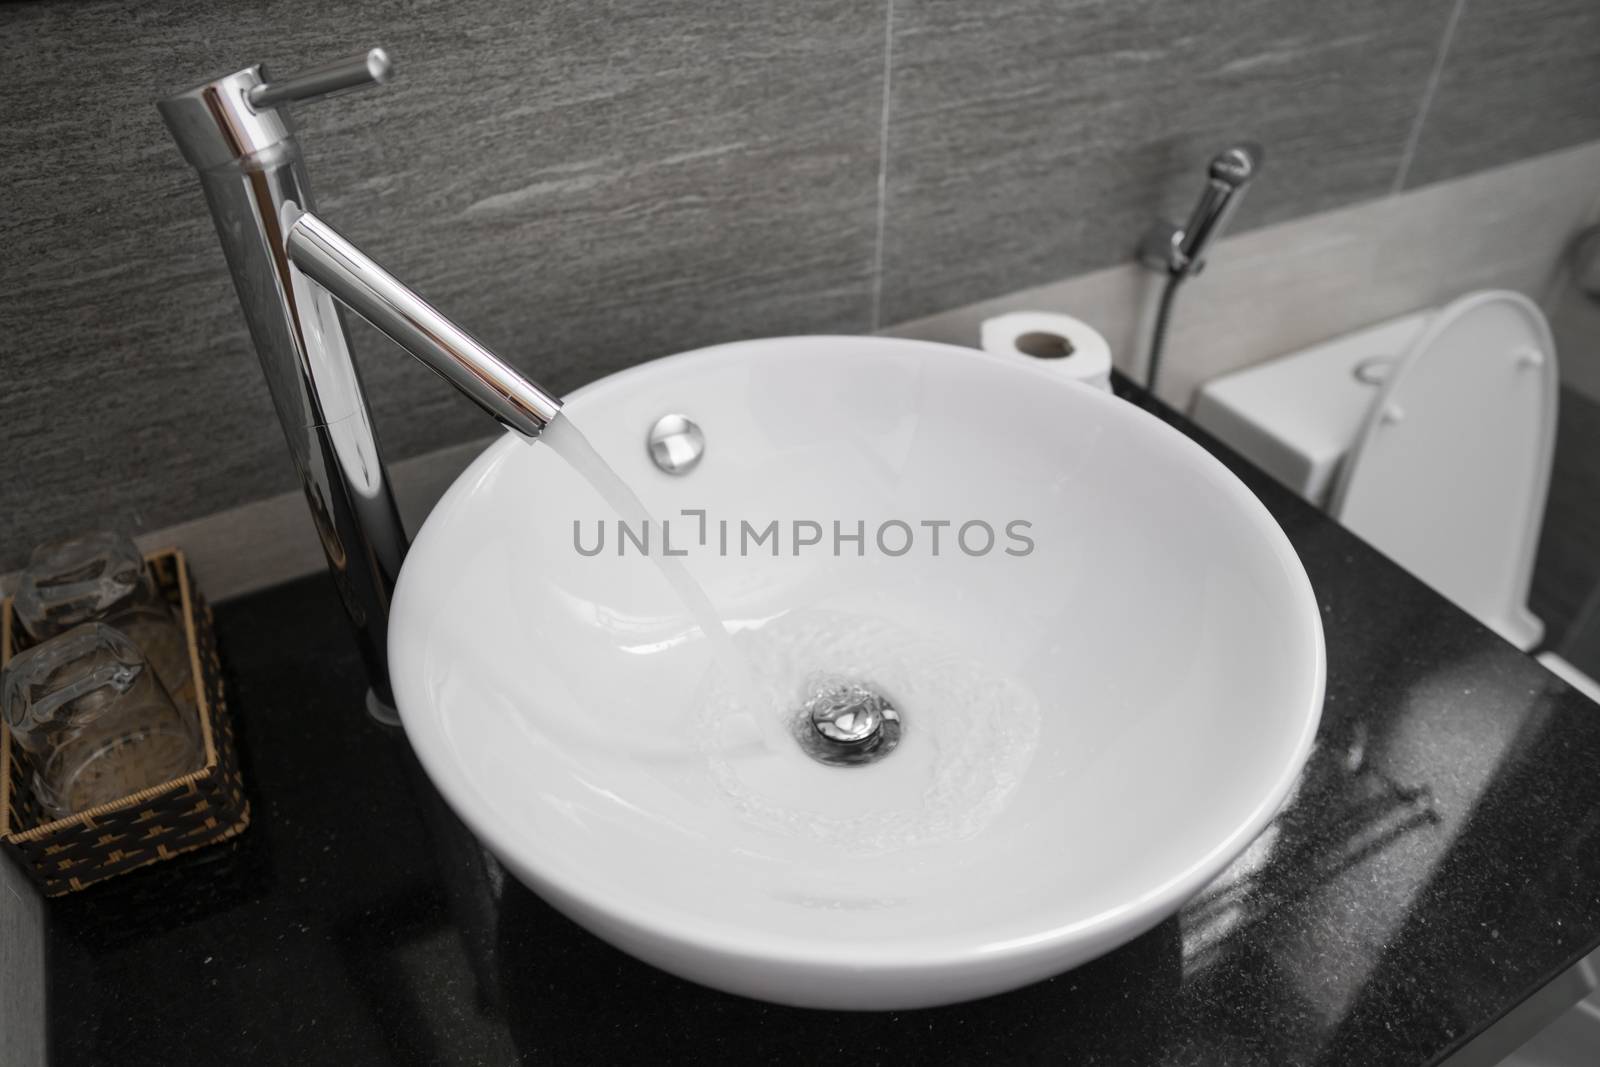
[(970, 735), (969, 732)]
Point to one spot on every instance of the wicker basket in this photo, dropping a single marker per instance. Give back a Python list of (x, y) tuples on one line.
[(153, 824)]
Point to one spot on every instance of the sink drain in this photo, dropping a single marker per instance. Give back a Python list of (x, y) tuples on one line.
[(847, 724)]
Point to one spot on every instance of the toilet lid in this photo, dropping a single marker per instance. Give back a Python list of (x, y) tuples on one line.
[(1449, 474)]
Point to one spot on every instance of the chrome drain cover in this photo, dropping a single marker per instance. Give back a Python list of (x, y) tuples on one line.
[(847, 724)]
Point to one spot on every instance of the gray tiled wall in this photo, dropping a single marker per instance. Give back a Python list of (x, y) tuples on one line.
[(587, 184), (1518, 79), (1036, 138)]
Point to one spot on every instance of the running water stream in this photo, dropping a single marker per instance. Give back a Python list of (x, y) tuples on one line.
[(571, 445)]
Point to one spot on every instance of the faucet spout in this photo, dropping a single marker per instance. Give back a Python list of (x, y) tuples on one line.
[(329, 259)]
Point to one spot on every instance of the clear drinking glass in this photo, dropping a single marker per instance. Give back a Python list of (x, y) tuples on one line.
[(101, 577), (95, 720)]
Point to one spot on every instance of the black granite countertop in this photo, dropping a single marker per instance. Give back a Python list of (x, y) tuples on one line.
[(1439, 861)]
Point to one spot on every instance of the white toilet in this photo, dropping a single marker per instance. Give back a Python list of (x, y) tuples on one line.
[(1429, 435)]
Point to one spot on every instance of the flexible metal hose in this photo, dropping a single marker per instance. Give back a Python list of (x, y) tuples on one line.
[(1158, 333)]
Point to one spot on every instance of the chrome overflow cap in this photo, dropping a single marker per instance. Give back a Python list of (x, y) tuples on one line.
[(846, 723), (676, 444)]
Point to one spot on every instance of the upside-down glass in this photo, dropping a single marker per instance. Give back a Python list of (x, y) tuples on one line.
[(95, 720), (101, 577)]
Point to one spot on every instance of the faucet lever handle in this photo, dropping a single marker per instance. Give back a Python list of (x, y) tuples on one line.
[(370, 68)]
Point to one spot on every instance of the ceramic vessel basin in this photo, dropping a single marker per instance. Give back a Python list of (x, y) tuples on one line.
[(1101, 707)]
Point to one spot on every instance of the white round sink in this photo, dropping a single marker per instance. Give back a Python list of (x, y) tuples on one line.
[(1097, 710)]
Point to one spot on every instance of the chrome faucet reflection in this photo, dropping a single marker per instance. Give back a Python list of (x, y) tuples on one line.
[(285, 264)]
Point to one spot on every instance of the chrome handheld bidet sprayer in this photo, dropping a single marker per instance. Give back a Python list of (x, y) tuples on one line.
[(1179, 251)]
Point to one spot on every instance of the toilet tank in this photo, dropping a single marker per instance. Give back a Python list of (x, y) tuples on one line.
[(1297, 416)]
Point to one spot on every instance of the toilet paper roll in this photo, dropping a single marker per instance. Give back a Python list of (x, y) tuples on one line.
[(1073, 348)]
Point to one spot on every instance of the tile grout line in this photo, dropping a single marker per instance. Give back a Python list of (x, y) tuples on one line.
[(1408, 155), (883, 168)]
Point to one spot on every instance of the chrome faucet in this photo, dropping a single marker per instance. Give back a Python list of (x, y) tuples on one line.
[(285, 264), (1179, 252)]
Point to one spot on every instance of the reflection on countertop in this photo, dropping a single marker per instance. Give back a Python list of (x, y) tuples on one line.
[(1439, 860)]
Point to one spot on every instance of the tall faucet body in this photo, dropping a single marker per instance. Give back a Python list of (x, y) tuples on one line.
[(285, 263)]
